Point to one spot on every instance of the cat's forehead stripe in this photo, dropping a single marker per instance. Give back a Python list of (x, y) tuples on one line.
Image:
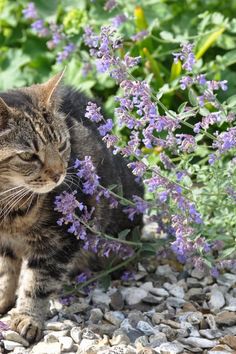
[(43, 129)]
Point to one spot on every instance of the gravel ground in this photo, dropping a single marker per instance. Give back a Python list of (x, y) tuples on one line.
[(167, 310)]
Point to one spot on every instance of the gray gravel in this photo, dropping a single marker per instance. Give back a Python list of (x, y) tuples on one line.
[(166, 311)]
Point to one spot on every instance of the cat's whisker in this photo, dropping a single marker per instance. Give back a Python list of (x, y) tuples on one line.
[(11, 199), (12, 195), (7, 200), (9, 190), (76, 185), (7, 211)]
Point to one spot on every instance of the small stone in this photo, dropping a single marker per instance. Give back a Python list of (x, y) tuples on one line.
[(56, 326), (220, 349), (85, 344), (10, 345), (20, 350), (157, 318), (154, 300), (99, 297), (147, 286), (172, 324), (104, 328), (67, 343), (193, 292), (117, 301), (114, 317), (175, 301), (195, 317), (15, 337), (96, 315), (56, 334), (171, 348), (147, 351), (145, 327), (46, 348), (217, 299), (164, 270), (229, 340), (210, 319), (177, 291), (88, 334), (226, 279), (50, 338), (141, 342), (157, 339), (211, 333), (170, 333), (197, 273), (193, 283), (134, 295), (159, 292), (226, 318), (76, 334), (119, 338), (199, 342)]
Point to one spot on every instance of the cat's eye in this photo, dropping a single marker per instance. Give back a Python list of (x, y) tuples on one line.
[(27, 156), (63, 146)]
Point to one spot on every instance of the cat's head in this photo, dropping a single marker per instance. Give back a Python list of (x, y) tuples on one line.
[(34, 139)]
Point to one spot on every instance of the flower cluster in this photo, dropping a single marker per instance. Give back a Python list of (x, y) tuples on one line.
[(58, 38), (186, 56)]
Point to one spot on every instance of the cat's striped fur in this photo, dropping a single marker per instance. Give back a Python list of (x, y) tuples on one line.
[(42, 132)]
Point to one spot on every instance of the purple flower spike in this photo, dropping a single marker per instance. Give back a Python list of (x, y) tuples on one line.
[(30, 12)]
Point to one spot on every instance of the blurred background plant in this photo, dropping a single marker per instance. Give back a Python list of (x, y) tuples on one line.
[(38, 39)]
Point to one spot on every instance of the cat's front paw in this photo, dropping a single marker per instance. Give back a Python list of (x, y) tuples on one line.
[(27, 326)]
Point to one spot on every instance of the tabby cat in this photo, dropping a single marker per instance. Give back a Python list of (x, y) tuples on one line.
[(42, 132)]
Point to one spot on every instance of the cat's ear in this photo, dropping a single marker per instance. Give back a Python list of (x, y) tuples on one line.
[(4, 114), (50, 89)]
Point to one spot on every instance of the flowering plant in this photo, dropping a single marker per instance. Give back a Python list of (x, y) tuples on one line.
[(174, 117)]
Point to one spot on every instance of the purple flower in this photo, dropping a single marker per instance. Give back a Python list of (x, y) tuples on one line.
[(214, 272), (212, 158), (140, 36), (185, 82), (163, 196), (67, 50), (110, 140), (140, 207), (186, 56), (81, 278), (39, 27), (168, 164), (105, 128), (93, 112), (110, 5), (225, 141), (118, 20), (186, 142), (138, 168), (66, 300), (30, 12), (127, 275), (201, 79)]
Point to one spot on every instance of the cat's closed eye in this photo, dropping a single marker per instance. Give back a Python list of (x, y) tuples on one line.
[(28, 156)]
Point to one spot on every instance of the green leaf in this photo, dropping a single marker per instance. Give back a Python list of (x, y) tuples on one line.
[(231, 101), (192, 97), (105, 281), (122, 235), (226, 253), (229, 58)]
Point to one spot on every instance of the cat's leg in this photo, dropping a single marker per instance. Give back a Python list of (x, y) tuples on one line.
[(41, 279), (9, 274)]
